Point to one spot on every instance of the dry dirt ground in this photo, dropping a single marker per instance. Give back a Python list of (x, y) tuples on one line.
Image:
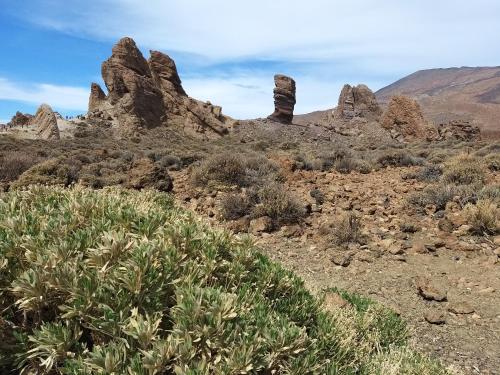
[(389, 266)]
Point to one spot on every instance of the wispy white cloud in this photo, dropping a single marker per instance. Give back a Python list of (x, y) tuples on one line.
[(60, 97), (388, 34)]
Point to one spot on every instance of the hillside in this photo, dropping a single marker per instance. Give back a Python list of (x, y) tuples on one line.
[(456, 93)]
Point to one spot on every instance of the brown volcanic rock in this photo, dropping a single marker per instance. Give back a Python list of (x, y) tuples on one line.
[(136, 101), (97, 97), (20, 119), (166, 78), (460, 130), (404, 119), (146, 174), (284, 99), (145, 94), (357, 101), (194, 116), (46, 123)]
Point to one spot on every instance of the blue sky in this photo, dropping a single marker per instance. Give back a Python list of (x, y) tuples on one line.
[(227, 51)]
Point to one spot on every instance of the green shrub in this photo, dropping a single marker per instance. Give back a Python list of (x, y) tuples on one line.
[(124, 282)]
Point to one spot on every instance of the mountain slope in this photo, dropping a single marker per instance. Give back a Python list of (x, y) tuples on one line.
[(471, 94)]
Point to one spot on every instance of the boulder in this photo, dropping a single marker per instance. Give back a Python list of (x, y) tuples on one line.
[(461, 130), (20, 119), (405, 120), (357, 101), (284, 99), (146, 174), (46, 123), (136, 101)]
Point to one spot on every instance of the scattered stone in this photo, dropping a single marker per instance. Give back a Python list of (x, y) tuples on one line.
[(262, 224), (239, 226), (429, 291), (462, 308), (292, 231), (284, 99), (146, 174), (461, 130), (435, 317), (342, 259)]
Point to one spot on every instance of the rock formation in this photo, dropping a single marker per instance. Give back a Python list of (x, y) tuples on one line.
[(136, 101), (145, 94), (403, 118), (357, 101), (97, 97), (20, 119), (46, 123), (460, 130), (191, 114), (284, 99)]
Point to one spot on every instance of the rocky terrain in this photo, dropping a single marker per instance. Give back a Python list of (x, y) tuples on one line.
[(466, 95), (373, 198)]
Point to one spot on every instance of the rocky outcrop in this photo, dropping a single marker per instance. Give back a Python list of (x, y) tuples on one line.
[(192, 115), (46, 123), (97, 97), (284, 99), (357, 101), (20, 119), (459, 129), (405, 121), (136, 101), (146, 174), (146, 94)]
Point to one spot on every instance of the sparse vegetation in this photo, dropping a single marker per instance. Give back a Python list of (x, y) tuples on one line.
[(400, 158), (235, 169), (13, 164), (347, 229), (464, 170), (484, 217), (116, 281)]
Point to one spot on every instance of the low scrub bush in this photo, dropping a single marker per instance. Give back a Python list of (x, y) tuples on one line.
[(401, 158), (347, 229), (234, 169), (14, 163), (235, 206), (123, 282), (426, 174), (440, 194), (484, 217), (58, 171), (464, 170), (276, 202)]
